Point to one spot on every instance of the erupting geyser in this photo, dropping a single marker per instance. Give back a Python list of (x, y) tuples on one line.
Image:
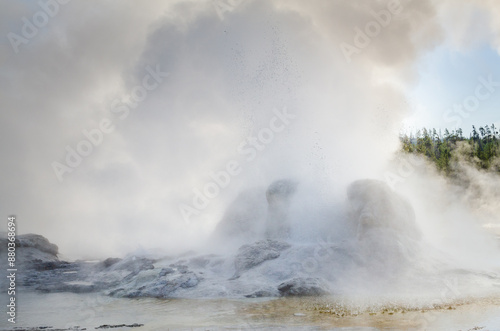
[(259, 255)]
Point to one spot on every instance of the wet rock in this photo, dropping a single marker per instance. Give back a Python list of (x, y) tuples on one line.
[(163, 285), (108, 263), (303, 287), (31, 248), (40, 265), (134, 264), (166, 271), (42, 269), (50, 274), (49, 328), (37, 241), (188, 280), (68, 287), (107, 326), (250, 256), (260, 294), (130, 276)]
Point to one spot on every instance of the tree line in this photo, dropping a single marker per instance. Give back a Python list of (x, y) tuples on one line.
[(481, 147)]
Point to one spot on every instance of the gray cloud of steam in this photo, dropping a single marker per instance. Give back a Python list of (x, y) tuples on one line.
[(225, 79)]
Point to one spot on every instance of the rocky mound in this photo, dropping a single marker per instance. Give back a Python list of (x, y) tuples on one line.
[(381, 252)]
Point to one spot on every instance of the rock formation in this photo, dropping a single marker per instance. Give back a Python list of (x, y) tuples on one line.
[(243, 221), (387, 231), (278, 197), (304, 287), (386, 242), (252, 255), (32, 248), (256, 214), (375, 205)]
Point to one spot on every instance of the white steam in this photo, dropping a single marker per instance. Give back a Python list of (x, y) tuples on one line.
[(227, 78)]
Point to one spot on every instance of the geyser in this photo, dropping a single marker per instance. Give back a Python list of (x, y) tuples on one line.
[(296, 217)]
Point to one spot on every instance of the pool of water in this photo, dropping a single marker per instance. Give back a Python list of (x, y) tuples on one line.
[(63, 310)]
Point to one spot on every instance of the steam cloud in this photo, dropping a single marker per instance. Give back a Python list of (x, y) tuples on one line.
[(226, 78)]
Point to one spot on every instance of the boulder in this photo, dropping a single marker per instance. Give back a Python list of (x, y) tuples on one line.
[(32, 248), (250, 256), (38, 242), (162, 286), (304, 287)]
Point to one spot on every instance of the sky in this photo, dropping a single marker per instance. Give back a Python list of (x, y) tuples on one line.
[(131, 125), (451, 72), (448, 78)]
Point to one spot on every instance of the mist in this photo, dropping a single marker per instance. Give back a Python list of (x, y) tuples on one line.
[(192, 103)]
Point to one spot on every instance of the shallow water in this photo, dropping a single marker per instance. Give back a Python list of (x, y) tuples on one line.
[(91, 310)]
